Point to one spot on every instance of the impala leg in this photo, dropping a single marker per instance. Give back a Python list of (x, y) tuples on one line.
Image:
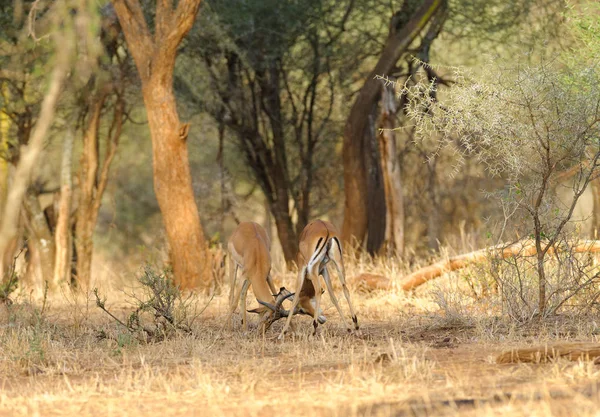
[(314, 277), (295, 301), (235, 295), (334, 300), (339, 265), (233, 269), (243, 293), (264, 323), (271, 285)]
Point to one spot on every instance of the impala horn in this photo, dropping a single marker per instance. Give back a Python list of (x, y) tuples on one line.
[(278, 311), (283, 295)]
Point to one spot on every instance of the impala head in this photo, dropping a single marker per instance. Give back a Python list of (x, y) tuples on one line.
[(280, 312)]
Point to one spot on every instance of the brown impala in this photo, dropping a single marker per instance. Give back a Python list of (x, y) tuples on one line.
[(319, 244), (249, 251)]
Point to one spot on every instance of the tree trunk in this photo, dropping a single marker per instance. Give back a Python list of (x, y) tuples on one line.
[(62, 234), (29, 156), (404, 27), (433, 215), (154, 56), (173, 187), (267, 224), (85, 225), (221, 164), (93, 179), (541, 271), (4, 180), (394, 196), (286, 233), (376, 207), (595, 189), (4, 165), (269, 82), (40, 236)]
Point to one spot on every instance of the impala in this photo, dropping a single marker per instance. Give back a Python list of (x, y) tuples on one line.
[(249, 251), (319, 244)]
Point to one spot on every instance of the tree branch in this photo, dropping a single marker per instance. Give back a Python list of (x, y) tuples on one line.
[(137, 34)]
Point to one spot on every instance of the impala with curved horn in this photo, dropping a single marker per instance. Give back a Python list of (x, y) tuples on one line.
[(248, 248), (319, 244)]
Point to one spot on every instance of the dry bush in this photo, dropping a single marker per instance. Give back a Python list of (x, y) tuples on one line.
[(161, 304), (572, 284), (526, 124)]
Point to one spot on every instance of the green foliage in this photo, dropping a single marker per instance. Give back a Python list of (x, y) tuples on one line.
[(10, 281), (584, 24), (7, 287), (266, 29)]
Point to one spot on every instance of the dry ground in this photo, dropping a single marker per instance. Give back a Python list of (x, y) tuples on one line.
[(412, 360)]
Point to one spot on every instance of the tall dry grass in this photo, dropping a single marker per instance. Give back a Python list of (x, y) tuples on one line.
[(430, 352)]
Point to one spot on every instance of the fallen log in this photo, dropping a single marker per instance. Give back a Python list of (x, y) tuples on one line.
[(366, 282), (522, 248), (547, 353)]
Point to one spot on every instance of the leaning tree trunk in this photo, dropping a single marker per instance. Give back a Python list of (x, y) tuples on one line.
[(394, 196), (404, 28), (22, 175), (62, 234)]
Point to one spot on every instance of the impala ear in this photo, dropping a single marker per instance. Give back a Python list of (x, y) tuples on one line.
[(255, 311)]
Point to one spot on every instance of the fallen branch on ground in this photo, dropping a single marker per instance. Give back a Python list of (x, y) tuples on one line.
[(523, 248), (539, 354), (366, 282)]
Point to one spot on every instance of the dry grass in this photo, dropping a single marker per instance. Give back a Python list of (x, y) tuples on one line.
[(421, 354)]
